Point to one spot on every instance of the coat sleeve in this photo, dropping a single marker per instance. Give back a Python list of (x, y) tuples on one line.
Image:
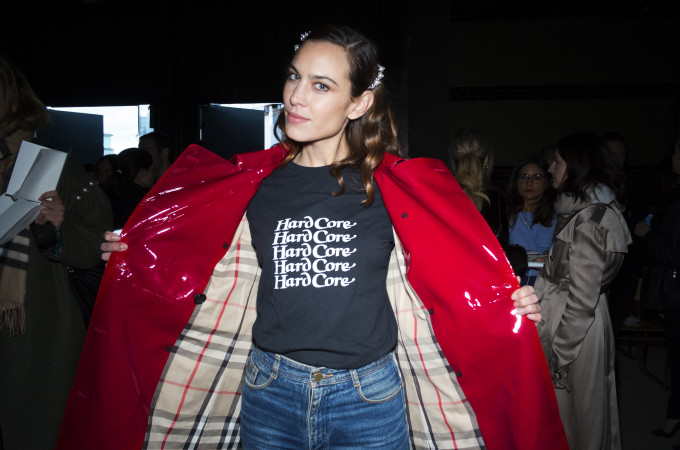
[(176, 236), (458, 271), (87, 216), (586, 268)]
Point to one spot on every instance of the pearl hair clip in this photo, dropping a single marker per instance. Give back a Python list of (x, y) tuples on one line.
[(378, 78), (303, 38)]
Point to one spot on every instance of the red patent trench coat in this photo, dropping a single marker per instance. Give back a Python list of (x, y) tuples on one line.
[(181, 230)]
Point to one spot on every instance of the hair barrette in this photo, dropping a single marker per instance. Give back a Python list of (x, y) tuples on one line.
[(378, 78), (303, 38)]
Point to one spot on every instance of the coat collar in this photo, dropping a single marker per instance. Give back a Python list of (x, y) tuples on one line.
[(567, 204)]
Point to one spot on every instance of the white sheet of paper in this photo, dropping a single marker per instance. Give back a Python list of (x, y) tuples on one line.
[(36, 171)]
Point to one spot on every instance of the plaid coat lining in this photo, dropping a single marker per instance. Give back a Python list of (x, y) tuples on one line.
[(197, 402)]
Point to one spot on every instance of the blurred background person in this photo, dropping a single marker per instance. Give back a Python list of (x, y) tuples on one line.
[(531, 217), (159, 146), (661, 284), (41, 324), (471, 161), (591, 239), (129, 187), (104, 168), (547, 154), (636, 208)]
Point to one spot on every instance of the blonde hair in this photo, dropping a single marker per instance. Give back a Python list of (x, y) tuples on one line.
[(24, 111), (471, 161)]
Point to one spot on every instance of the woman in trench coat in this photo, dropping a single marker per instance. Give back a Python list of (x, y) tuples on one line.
[(588, 247)]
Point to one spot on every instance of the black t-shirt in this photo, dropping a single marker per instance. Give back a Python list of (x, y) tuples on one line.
[(322, 298)]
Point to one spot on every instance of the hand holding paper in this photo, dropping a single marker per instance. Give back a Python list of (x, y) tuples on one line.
[(52, 209), (36, 172)]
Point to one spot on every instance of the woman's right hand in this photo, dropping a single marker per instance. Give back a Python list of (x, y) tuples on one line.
[(112, 244)]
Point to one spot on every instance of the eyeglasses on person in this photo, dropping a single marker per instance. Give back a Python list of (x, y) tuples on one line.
[(537, 177)]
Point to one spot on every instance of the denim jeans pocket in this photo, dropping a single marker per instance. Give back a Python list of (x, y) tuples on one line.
[(258, 375), (381, 385)]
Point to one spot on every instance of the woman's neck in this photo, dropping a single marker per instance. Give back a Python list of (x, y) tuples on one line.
[(530, 206), (319, 154)]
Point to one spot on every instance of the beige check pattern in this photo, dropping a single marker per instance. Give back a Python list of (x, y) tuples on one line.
[(197, 403)]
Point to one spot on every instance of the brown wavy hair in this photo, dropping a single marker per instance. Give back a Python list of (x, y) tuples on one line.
[(24, 111), (372, 134), (589, 163)]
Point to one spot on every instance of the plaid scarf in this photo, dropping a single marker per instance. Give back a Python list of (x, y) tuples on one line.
[(13, 267)]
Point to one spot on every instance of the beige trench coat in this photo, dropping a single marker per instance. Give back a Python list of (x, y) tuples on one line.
[(588, 248)]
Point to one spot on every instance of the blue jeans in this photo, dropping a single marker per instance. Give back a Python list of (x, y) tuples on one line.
[(286, 404)]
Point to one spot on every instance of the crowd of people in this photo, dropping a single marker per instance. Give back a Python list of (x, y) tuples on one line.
[(42, 330), (359, 345), (566, 212), (576, 211), (50, 272)]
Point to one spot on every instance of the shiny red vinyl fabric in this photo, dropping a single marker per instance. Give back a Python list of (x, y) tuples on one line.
[(178, 234), (460, 273)]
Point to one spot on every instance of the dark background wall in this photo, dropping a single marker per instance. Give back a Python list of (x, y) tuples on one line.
[(525, 72), (177, 56), (537, 80), (528, 74)]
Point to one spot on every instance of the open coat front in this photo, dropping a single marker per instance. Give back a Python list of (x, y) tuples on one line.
[(163, 360)]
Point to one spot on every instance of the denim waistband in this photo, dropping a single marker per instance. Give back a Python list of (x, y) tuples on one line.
[(304, 373)]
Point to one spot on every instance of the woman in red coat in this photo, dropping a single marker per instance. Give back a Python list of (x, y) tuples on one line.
[(302, 288)]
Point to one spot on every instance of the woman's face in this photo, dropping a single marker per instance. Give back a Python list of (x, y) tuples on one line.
[(558, 169), (316, 95), (531, 183)]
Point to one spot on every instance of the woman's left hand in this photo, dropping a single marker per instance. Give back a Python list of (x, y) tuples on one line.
[(526, 303)]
